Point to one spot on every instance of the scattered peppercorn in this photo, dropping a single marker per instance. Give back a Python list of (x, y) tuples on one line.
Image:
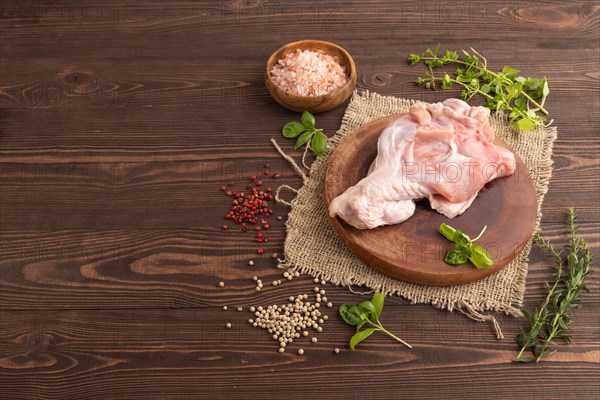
[(250, 263), (228, 325), (224, 308), (274, 255), (223, 188), (300, 351), (289, 321), (314, 339), (260, 251), (336, 350), (225, 227), (253, 178), (240, 308), (221, 284), (276, 175)]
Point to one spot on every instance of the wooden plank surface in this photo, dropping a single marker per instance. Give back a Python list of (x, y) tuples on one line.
[(121, 120)]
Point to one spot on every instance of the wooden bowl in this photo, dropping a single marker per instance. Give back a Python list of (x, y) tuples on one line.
[(313, 104)]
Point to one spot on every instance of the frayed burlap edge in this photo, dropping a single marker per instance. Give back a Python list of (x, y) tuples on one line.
[(455, 297)]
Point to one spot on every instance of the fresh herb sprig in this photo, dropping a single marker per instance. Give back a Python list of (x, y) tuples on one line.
[(551, 320), (366, 314), (306, 133), (522, 97), (466, 249)]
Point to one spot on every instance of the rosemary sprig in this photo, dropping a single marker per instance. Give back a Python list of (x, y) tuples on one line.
[(551, 320)]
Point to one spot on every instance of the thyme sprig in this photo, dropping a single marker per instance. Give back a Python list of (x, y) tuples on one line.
[(551, 320), (522, 97)]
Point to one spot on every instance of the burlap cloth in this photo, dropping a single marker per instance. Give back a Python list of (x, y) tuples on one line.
[(312, 247)]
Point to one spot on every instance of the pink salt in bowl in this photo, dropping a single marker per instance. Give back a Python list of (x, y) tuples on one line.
[(317, 102)]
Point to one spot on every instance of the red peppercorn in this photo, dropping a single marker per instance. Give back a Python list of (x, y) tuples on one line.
[(260, 251), (257, 229), (267, 165), (266, 172), (269, 190), (266, 226), (223, 188), (265, 239), (225, 227), (259, 183), (253, 178), (276, 175)]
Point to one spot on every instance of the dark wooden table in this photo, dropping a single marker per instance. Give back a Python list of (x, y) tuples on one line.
[(121, 120)]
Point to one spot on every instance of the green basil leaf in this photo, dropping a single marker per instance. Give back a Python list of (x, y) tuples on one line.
[(510, 73), (303, 138), (447, 231), (456, 257), (545, 88), (378, 300), (308, 120), (292, 129), (366, 307), (465, 248), (319, 143), (360, 324), (460, 238), (360, 336), (520, 103), (351, 314), (525, 124), (480, 257)]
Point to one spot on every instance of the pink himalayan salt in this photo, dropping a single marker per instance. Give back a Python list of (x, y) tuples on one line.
[(309, 73)]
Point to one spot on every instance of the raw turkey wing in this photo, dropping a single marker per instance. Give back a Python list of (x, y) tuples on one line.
[(443, 152)]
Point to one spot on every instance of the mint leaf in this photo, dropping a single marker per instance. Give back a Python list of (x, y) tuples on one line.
[(308, 120), (360, 336), (319, 143), (378, 300), (292, 129), (303, 139), (456, 257)]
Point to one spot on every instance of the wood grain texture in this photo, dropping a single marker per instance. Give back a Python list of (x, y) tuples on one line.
[(120, 120)]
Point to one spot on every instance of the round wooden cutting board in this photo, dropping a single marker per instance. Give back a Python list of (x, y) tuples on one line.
[(414, 250)]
